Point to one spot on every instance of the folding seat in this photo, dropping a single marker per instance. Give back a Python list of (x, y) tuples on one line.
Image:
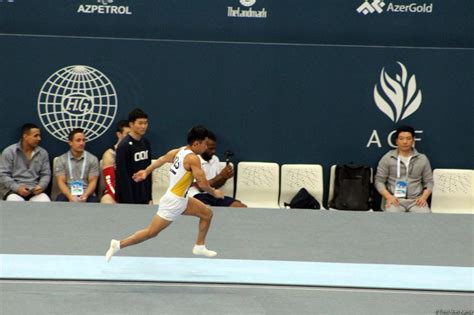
[(258, 184), (453, 191), (160, 178), (297, 176)]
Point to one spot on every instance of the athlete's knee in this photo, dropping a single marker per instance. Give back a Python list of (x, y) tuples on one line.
[(208, 214)]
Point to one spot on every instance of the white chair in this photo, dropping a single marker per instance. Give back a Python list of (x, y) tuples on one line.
[(228, 187), (453, 191), (332, 179), (160, 179), (258, 184), (296, 176)]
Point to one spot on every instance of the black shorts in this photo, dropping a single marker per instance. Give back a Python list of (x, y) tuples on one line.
[(210, 200)]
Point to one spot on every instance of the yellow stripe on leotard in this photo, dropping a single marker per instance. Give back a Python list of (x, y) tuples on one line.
[(181, 187)]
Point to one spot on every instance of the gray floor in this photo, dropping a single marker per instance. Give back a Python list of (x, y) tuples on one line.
[(304, 235), (155, 298)]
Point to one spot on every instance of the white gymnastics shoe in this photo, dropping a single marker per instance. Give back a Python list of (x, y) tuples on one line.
[(114, 247), (203, 251)]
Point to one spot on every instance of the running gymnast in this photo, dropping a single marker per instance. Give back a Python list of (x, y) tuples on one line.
[(185, 168)]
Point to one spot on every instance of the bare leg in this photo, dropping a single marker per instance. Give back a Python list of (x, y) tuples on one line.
[(204, 213), (238, 204), (157, 225)]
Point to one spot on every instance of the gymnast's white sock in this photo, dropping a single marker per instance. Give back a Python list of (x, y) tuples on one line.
[(203, 251), (114, 247)]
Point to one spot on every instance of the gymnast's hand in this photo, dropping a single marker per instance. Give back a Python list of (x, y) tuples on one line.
[(139, 176)]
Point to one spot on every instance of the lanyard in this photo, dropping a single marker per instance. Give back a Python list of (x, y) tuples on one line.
[(398, 166), (83, 165)]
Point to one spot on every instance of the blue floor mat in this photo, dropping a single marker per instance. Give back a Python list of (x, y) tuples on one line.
[(268, 272)]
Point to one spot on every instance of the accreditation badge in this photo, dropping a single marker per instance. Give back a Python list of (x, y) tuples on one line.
[(77, 187), (401, 188)]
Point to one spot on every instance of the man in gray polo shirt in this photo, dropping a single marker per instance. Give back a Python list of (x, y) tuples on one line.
[(77, 171), (24, 168), (404, 177)]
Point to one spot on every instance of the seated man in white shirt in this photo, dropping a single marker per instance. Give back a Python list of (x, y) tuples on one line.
[(210, 166)]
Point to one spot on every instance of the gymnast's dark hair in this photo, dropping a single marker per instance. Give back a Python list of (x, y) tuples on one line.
[(197, 133)]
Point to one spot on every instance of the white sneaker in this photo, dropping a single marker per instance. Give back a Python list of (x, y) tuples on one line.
[(114, 247), (203, 251)]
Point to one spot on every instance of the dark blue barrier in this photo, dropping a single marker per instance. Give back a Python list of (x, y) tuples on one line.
[(283, 103), (433, 23), (291, 82)]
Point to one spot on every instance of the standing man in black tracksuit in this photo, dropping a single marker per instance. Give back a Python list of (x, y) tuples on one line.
[(133, 154)]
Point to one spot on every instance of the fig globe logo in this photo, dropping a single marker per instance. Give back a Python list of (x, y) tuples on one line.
[(398, 97), (77, 97)]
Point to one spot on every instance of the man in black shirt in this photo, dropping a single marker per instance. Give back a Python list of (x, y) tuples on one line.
[(133, 154)]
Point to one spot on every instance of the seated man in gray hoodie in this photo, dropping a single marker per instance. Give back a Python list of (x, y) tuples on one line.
[(404, 177), (24, 167)]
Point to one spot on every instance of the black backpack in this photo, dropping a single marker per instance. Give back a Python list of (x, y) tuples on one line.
[(353, 189), (303, 200)]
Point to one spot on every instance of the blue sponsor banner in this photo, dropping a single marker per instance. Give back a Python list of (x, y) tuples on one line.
[(426, 23), (266, 102)]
